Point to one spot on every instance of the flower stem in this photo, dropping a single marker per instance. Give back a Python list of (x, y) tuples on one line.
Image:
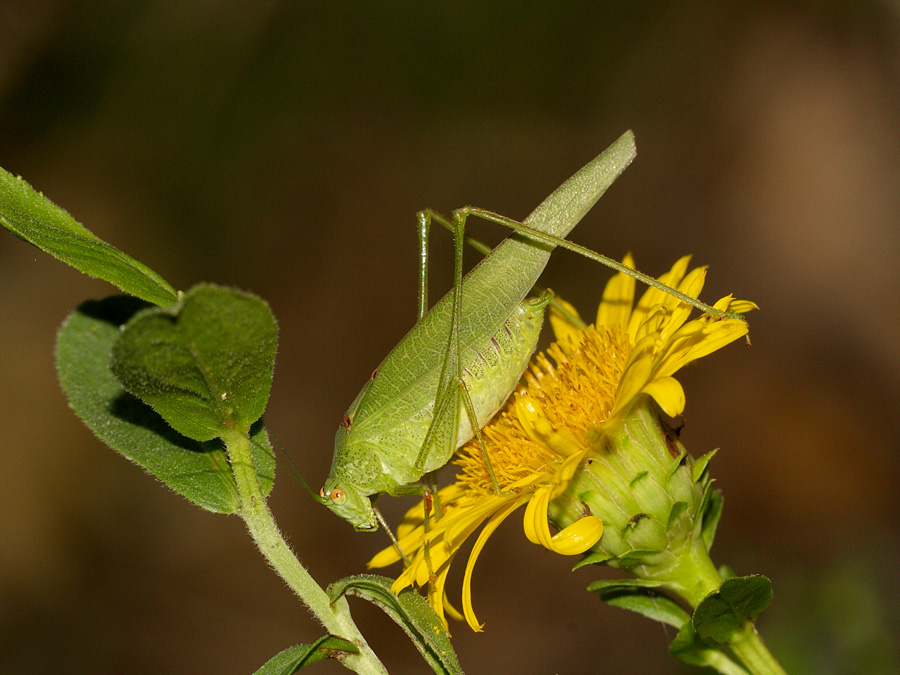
[(749, 647), (697, 566), (261, 524)]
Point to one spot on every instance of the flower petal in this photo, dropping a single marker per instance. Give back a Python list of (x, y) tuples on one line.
[(535, 524), (653, 296), (385, 557), (618, 298), (697, 344), (563, 328), (483, 536), (578, 537), (668, 393)]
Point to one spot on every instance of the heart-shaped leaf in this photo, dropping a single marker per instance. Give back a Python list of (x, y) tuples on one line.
[(204, 364), (198, 471), (692, 649), (723, 612)]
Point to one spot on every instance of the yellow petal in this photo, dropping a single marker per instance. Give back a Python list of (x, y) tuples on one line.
[(454, 613), (578, 537), (654, 296), (618, 298), (680, 310), (535, 522), (742, 306), (668, 393), (693, 346), (385, 557), (533, 419), (635, 377), (483, 536), (466, 521), (562, 326), (437, 596)]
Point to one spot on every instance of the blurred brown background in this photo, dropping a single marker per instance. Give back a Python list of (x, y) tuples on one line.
[(284, 147)]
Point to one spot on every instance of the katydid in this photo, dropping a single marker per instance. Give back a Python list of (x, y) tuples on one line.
[(460, 362)]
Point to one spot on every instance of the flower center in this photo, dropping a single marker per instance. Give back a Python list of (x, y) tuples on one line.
[(576, 391)]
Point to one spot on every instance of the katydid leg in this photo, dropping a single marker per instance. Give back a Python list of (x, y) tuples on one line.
[(390, 534), (485, 250), (553, 241), (428, 493), (452, 389), (424, 220)]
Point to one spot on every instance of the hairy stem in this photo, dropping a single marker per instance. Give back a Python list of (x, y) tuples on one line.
[(261, 524)]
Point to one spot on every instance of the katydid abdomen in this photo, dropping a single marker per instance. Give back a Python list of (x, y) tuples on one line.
[(414, 394), (491, 369)]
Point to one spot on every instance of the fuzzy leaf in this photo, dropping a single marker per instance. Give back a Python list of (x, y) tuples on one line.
[(34, 218), (723, 612), (410, 611), (204, 364), (657, 607), (294, 658), (641, 596), (197, 471)]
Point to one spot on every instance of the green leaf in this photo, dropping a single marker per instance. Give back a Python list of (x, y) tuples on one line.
[(638, 478), (678, 509), (32, 217), (204, 364), (654, 606), (634, 557), (657, 607), (611, 585), (294, 658), (197, 471), (726, 572), (598, 558), (692, 649), (410, 611), (709, 513), (701, 464), (723, 612), (641, 596), (677, 464)]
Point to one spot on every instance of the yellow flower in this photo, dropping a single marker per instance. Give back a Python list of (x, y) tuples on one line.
[(578, 394)]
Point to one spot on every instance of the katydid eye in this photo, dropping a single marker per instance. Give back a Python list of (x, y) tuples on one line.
[(338, 496)]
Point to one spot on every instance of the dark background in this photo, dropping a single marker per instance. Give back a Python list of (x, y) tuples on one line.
[(284, 147)]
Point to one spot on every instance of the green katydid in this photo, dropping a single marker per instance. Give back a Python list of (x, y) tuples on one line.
[(460, 362)]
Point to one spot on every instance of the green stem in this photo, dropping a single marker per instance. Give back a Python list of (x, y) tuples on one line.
[(698, 567), (691, 574), (261, 524), (749, 647)]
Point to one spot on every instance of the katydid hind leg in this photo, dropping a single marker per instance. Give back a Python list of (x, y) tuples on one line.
[(485, 250), (476, 427), (424, 221), (441, 435), (554, 241)]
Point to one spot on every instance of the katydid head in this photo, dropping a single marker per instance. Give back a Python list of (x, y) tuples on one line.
[(354, 476), (349, 503)]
